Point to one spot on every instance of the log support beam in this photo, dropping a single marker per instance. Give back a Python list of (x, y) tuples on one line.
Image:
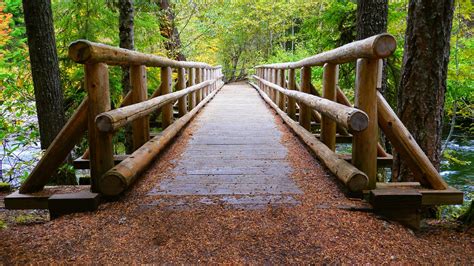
[(328, 126), (166, 110), (100, 143), (181, 85), (140, 127), (364, 143), (305, 111)]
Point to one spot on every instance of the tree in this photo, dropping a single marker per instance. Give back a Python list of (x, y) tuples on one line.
[(126, 36), (372, 20), (170, 32), (423, 81), (45, 73)]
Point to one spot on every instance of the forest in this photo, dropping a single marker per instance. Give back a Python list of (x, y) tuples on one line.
[(238, 35)]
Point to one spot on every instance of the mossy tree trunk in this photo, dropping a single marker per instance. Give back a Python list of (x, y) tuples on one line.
[(126, 35), (423, 81), (46, 77)]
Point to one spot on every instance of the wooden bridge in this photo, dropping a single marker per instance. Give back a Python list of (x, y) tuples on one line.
[(236, 148)]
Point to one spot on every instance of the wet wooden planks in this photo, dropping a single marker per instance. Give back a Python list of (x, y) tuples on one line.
[(235, 150)]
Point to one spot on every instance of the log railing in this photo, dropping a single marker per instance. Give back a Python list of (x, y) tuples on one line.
[(196, 84), (277, 85)]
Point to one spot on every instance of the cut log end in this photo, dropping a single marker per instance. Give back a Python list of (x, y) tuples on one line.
[(357, 182), (384, 45), (357, 121), (80, 51), (112, 183), (104, 123)]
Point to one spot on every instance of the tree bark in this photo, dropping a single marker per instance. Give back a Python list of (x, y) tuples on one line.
[(423, 82), (126, 35), (45, 73), (372, 20), (170, 32)]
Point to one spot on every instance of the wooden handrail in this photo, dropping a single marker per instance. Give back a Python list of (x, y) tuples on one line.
[(114, 119), (58, 150), (378, 46), (352, 177), (367, 53), (372, 106), (118, 178), (84, 51), (406, 145), (96, 57), (351, 118)]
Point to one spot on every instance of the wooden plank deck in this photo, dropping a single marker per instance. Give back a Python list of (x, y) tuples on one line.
[(235, 150)]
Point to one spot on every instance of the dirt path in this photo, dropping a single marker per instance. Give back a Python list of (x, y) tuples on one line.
[(311, 222)]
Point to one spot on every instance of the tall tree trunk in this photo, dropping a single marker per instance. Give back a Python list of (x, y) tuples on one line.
[(126, 34), (423, 81), (372, 20), (170, 32), (45, 72)]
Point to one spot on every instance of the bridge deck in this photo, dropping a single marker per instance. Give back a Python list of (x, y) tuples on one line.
[(235, 149)]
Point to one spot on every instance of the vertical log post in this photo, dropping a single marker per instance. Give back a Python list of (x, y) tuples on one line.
[(204, 90), (265, 76), (181, 85), (274, 81), (208, 77), (269, 78), (100, 144), (198, 80), (281, 83), (167, 110), (141, 126), (364, 143), (192, 95), (291, 108), (211, 76), (328, 126), (305, 111)]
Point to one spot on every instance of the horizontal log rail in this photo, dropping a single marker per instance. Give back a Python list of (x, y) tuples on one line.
[(352, 177), (86, 52), (196, 81), (350, 118), (117, 179), (375, 47), (117, 118)]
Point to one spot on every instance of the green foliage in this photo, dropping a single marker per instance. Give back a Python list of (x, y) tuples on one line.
[(451, 157), (3, 224), (4, 186), (460, 83), (25, 219), (456, 212), (18, 128)]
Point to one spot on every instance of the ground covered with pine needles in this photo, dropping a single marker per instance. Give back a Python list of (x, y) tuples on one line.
[(324, 227)]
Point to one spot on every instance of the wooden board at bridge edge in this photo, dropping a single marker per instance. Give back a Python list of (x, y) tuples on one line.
[(58, 200)]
